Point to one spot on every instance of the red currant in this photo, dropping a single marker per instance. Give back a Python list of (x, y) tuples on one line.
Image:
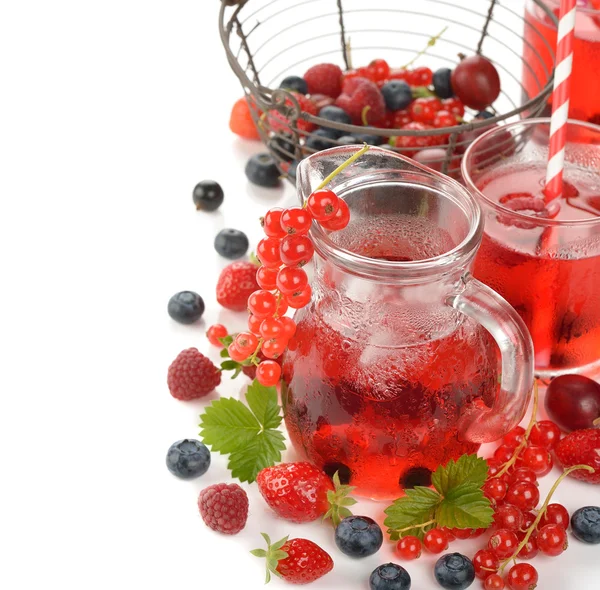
[(461, 533), (503, 453), (555, 514), (289, 327), (552, 540), (494, 467), (528, 520), (262, 304), (522, 576), (341, 218), (323, 204), (379, 69), (266, 278), (537, 459), (271, 223), (254, 324), (522, 474), (350, 74), (530, 549), (246, 343), (301, 299), (282, 307), (477, 533), (545, 434), (274, 347), (236, 354), (296, 250), (400, 119), (435, 540), (503, 543), (524, 495), (515, 437), (296, 220), (409, 548), (267, 251), (271, 328), (444, 119), (494, 582), (291, 280), (422, 110), (423, 76), (454, 105), (398, 74), (486, 563), (268, 373), (508, 517), (214, 333), (415, 141), (495, 490)]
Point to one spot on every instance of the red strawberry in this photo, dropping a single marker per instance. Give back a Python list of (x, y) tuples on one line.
[(359, 93), (279, 122), (298, 561), (324, 79), (236, 283), (241, 122), (581, 447)]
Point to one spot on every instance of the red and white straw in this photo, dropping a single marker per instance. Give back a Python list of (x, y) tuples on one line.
[(560, 99)]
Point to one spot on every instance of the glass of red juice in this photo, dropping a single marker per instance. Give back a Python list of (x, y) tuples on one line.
[(541, 254), (394, 368), (538, 54)]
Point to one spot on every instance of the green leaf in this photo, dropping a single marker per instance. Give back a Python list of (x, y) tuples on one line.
[(259, 552), (416, 508), (263, 403), (226, 340), (229, 365), (224, 354), (467, 469), (264, 451), (463, 507)]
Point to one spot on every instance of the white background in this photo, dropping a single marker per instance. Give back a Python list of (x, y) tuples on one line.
[(111, 112)]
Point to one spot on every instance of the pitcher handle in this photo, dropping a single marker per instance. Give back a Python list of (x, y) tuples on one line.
[(479, 423)]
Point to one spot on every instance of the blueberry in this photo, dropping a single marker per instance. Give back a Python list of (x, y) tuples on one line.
[(188, 458), (358, 536), (336, 114), (186, 307), (231, 243), (416, 476), (294, 83), (454, 571), (321, 139), (292, 169), (585, 524), (397, 95), (347, 140), (262, 170), (207, 195), (441, 83), (389, 577), (484, 115), (369, 138), (283, 146)]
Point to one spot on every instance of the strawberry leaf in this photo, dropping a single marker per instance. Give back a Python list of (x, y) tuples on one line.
[(467, 469), (465, 507), (407, 514)]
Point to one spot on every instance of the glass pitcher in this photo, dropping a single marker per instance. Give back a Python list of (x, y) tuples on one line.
[(394, 368)]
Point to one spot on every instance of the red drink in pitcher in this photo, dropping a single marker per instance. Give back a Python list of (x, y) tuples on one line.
[(393, 369), (540, 37)]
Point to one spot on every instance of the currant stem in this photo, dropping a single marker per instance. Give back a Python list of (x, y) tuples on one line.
[(258, 347), (416, 526), (343, 166), (523, 443), (364, 114), (423, 51), (542, 511)]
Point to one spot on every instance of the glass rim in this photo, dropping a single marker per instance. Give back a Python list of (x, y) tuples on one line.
[(404, 271), (587, 9), (538, 221)]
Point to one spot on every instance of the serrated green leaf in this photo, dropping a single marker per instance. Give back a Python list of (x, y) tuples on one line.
[(229, 365), (416, 508), (465, 506), (467, 469), (228, 425), (263, 451), (263, 403)]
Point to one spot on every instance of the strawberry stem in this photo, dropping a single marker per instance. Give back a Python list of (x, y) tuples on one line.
[(432, 41), (542, 511)]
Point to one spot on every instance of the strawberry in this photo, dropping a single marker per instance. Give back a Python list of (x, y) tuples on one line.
[(241, 122), (324, 79), (301, 493), (297, 561), (357, 95), (581, 447), (236, 283), (279, 122)]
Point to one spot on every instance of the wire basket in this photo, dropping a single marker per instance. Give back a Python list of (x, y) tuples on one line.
[(267, 40)]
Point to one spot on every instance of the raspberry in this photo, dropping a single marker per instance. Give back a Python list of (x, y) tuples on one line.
[(581, 447), (192, 375), (324, 79), (224, 508), (359, 93)]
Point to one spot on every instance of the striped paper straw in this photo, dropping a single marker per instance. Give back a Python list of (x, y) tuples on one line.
[(560, 99)]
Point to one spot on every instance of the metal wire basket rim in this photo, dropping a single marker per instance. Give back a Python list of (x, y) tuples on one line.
[(405, 271), (540, 221)]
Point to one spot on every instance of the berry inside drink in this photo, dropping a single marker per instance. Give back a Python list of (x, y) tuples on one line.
[(540, 44), (549, 274), (375, 384)]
